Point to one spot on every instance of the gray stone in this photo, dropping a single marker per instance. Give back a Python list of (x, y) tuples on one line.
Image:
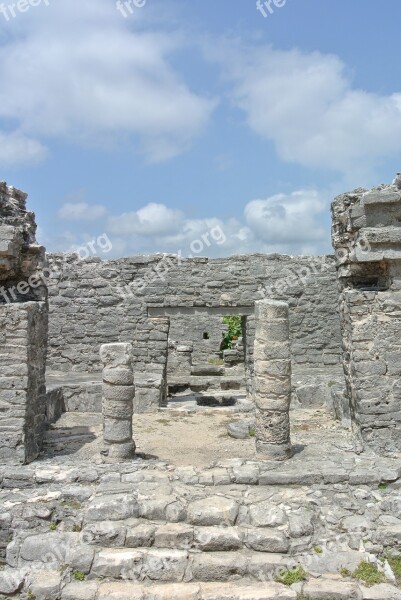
[(240, 430), (215, 510)]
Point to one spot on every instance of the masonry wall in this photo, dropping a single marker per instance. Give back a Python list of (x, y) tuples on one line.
[(372, 345), (367, 238), (23, 331), (94, 302), (192, 328)]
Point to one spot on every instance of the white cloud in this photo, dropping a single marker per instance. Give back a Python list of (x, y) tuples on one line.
[(284, 223), (81, 211), (19, 149), (76, 71), (306, 104), (151, 220), (287, 219)]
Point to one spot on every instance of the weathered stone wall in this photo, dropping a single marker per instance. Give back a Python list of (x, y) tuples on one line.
[(367, 239), (23, 331), (93, 301), (194, 328)]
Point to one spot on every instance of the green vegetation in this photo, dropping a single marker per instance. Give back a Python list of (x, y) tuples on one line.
[(290, 576), (251, 432), (318, 549), (369, 574), (233, 332), (382, 486), (395, 564), (345, 572), (53, 526), (332, 383), (79, 576)]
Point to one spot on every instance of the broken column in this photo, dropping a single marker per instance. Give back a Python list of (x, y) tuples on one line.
[(117, 403), (272, 380)]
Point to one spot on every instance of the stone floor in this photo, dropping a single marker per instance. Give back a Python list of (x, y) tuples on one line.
[(186, 435), (189, 520)]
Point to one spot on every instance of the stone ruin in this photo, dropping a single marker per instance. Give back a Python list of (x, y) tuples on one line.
[(115, 388), (23, 331), (367, 241)]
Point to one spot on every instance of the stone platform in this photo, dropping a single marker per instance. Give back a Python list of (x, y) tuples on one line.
[(155, 528)]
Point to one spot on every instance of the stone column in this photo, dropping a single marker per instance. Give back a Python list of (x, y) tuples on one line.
[(117, 404), (272, 382)]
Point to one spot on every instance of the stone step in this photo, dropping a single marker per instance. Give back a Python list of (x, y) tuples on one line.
[(176, 566), (210, 511), (127, 591), (137, 533), (64, 550), (45, 585)]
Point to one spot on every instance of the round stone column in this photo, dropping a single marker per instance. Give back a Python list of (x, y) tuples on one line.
[(272, 382), (117, 402)]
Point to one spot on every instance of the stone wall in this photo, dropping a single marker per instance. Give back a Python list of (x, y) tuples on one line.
[(23, 331), (367, 239), (93, 301), (195, 328)]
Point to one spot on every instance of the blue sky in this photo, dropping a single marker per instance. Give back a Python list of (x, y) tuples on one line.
[(195, 116)]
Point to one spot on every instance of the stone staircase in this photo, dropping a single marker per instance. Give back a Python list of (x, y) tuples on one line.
[(149, 531)]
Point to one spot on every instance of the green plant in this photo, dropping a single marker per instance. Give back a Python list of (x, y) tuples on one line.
[(77, 528), (345, 572), (79, 576), (332, 383), (382, 486), (234, 331), (31, 595), (368, 573), (53, 526), (252, 432), (290, 576), (318, 549), (395, 564)]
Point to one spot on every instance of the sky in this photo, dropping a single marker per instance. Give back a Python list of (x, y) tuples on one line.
[(200, 127)]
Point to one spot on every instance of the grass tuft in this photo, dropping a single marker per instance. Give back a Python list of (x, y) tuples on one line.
[(369, 574), (290, 576), (395, 564)]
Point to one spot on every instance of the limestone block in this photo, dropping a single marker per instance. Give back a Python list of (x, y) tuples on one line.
[(214, 510), (116, 355)]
